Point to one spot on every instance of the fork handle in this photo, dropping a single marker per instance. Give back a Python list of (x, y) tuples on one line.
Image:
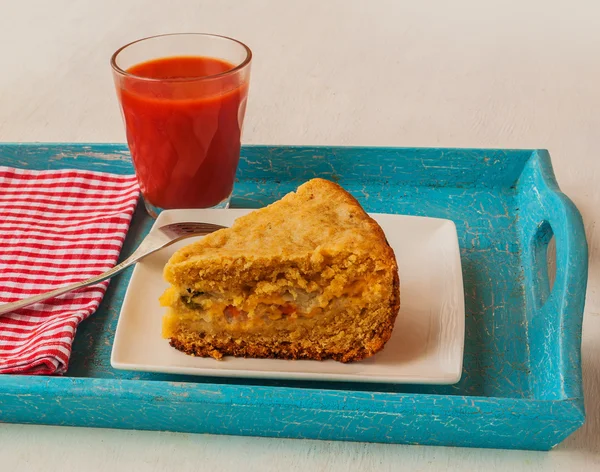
[(147, 247), (9, 307)]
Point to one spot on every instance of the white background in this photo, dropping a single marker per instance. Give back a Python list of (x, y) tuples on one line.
[(461, 73)]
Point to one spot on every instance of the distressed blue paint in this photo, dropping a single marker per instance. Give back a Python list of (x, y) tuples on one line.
[(521, 383)]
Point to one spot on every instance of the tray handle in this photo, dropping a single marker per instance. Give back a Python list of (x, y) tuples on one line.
[(555, 314)]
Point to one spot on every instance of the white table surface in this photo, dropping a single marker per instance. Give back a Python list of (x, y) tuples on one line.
[(463, 73)]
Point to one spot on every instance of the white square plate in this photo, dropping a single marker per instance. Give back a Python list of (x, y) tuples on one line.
[(426, 346)]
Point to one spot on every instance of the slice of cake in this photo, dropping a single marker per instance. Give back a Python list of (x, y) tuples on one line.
[(310, 276)]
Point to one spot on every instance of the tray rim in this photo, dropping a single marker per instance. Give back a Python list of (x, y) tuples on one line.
[(95, 387)]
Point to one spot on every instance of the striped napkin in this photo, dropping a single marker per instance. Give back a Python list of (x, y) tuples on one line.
[(56, 227)]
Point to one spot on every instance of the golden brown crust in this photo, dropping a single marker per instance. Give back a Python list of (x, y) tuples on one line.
[(217, 348), (305, 227)]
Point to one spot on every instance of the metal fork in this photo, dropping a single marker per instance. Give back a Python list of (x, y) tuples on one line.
[(156, 239)]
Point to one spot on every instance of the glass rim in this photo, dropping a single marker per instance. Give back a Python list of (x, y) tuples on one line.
[(241, 65)]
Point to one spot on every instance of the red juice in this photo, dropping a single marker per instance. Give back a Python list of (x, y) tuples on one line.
[(184, 129)]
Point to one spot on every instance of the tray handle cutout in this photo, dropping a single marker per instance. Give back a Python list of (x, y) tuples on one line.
[(544, 263)]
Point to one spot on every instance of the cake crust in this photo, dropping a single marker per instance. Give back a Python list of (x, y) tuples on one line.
[(319, 219)]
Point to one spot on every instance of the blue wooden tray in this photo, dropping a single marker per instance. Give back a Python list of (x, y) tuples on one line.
[(521, 385)]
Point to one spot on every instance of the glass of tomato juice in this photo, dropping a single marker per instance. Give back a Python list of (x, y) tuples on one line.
[(183, 100)]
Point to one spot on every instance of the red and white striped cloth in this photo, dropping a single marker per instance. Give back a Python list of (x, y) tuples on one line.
[(56, 227)]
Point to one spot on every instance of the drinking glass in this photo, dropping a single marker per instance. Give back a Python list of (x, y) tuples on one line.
[(183, 100)]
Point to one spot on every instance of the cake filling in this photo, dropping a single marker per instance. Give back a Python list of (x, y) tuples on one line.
[(293, 309)]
